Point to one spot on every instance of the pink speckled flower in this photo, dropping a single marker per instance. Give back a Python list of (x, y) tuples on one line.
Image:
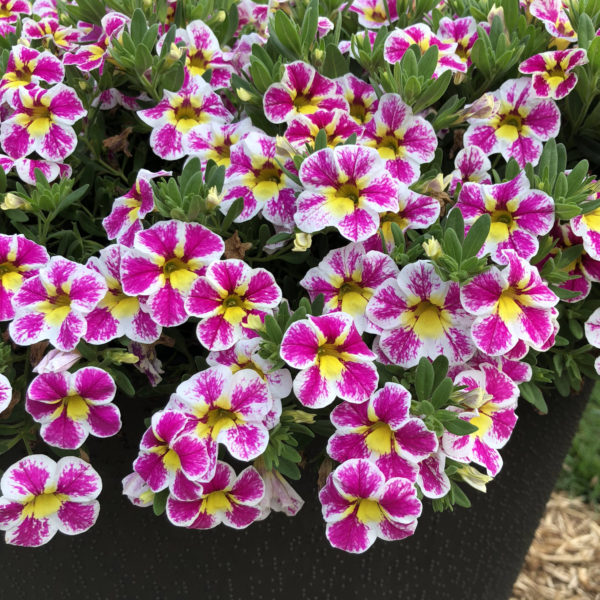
[(337, 124), (361, 97), (25, 168), (373, 14), (233, 501), (279, 496), (421, 316), (462, 32), (432, 478), (510, 306), (552, 72), (41, 497), (72, 406), (301, 91), (345, 187), (519, 126), (10, 11), (332, 358), (137, 490), (49, 30), (225, 296), (555, 19), (163, 263), (471, 164), (359, 506), (5, 393)]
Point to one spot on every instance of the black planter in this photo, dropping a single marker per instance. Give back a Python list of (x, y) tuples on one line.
[(469, 554)]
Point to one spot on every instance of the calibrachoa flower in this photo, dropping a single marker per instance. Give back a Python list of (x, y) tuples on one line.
[(400, 40), (552, 72), (117, 315), (26, 65), (41, 497), (519, 215), (225, 296), (48, 29), (462, 32), (374, 13), (491, 399), (279, 496), (347, 278), (178, 114), (168, 455), (233, 501), (5, 393), (337, 124), (404, 141), (124, 220), (301, 91), (432, 478), (592, 334), (164, 262), (471, 165), (71, 406), (137, 490), (42, 122), (255, 175), (554, 18), (359, 506), (10, 10), (345, 187), (383, 431), (225, 408), (332, 358), (361, 97), (25, 168), (519, 126), (20, 259), (587, 227), (510, 305), (57, 362), (53, 304), (421, 316)]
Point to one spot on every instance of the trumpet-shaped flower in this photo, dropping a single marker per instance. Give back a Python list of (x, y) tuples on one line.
[(402, 140), (137, 490), (169, 456), (337, 124), (41, 497), (470, 165), (53, 304), (432, 478), (42, 122), (462, 32), (27, 65), (255, 175), (359, 506), (20, 259), (360, 96), (233, 501), (345, 187), (552, 72), (301, 91), (49, 30), (332, 358), (554, 18), (5, 393), (347, 277), (71, 406), (124, 220), (117, 315), (164, 262), (57, 362), (421, 316), (382, 431), (279, 496), (510, 306), (25, 168), (225, 408), (374, 14), (179, 114), (518, 127), (519, 215), (400, 40), (10, 11), (587, 227), (225, 296), (592, 334), (491, 399)]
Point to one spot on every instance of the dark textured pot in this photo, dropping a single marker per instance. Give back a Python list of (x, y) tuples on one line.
[(472, 554)]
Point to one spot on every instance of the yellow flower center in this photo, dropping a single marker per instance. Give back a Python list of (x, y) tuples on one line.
[(43, 505), (179, 274), (304, 104), (329, 359), (380, 438), (428, 319), (214, 502), (198, 62), (354, 298), (220, 419), (508, 308), (10, 277), (234, 309), (369, 511)]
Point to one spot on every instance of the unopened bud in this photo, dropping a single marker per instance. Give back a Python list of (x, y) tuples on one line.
[(175, 52), (121, 357), (284, 147), (243, 95), (433, 248), (212, 199), (12, 201), (299, 416), (473, 477), (302, 242), (318, 54), (221, 16), (483, 108)]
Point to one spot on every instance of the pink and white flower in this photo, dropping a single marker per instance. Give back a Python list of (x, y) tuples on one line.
[(20, 259), (332, 358), (347, 277), (491, 399), (42, 122), (25, 168), (518, 127), (359, 506), (117, 314), (137, 490), (10, 11), (71, 406), (509, 306), (587, 227), (279, 496), (519, 215), (421, 316), (27, 65), (555, 19), (337, 124), (225, 296), (382, 431), (400, 40), (404, 141), (125, 218), (373, 14), (5, 393), (48, 29), (57, 362), (552, 72), (41, 497), (345, 187), (179, 114), (255, 175), (53, 304), (164, 262), (462, 32), (432, 478), (233, 501), (301, 91), (470, 165), (360, 96)]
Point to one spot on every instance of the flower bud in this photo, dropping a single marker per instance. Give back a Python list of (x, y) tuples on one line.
[(473, 477), (299, 416), (212, 199), (433, 248), (56, 361), (483, 108), (120, 357), (12, 201), (302, 242), (243, 95)]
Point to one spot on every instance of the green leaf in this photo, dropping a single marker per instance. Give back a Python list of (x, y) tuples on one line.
[(122, 382), (459, 496), (334, 64), (160, 502), (533, 394), (138, 26), (235, 210), (424, 379), (310, 25), (476, 236), (459, 427), (442, 392), (428, 62)]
